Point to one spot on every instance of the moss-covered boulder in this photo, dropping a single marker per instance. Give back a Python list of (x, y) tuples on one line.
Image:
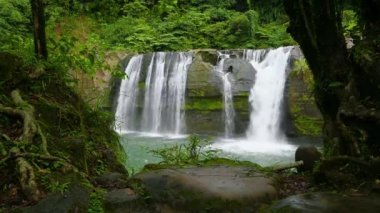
[(201, 82)]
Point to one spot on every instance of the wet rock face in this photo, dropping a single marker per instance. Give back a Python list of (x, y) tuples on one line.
[(309, 155), (327, 202), (216, 189), (202, 81), (204, 92), (243, 74)]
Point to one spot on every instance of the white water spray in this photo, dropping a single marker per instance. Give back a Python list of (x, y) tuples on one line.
[(126, 107), (154, 85), (164, 97), (266, 95), (264, 136)]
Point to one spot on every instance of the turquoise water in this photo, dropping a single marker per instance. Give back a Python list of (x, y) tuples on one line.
[(138, 148)]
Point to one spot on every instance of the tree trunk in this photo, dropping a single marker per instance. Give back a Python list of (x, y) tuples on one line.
[(317, 26), (39, 29)]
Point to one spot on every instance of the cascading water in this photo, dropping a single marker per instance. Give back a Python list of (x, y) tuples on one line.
[(229, 111), (151, 103), (263, 135), (267, 94), (126, 109), (154, 85), (164, 95)]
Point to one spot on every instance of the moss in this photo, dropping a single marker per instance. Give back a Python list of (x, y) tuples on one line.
[(209, 56), (141, 85), (244, 94), (241, 103), (196, 93), (306, 125), (302, 103), (211, 162), (204, 104), (215, 103), (230, 162)]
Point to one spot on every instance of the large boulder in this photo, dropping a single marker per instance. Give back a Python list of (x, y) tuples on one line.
[(309, 154), (200, 80), (212, 189)]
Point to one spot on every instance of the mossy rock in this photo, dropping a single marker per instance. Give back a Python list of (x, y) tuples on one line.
[(208, 56), (200, 79)]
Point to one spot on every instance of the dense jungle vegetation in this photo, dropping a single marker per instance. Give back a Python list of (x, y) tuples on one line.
[(80, 32)]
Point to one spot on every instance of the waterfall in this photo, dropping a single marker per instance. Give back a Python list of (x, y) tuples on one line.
[(164, 94), (229, 111), (264, 138), (266, 95), (154, 85), (126, 108)]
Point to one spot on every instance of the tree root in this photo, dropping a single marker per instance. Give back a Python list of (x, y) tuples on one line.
[(27, 177), (31, 128), (282, 167)]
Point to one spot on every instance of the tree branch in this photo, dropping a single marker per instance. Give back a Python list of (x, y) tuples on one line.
[(287, 166)]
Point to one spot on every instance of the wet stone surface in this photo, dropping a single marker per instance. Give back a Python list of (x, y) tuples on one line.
[(217, 188), (328, 202)]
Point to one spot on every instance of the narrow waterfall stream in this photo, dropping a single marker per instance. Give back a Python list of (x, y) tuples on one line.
[(229, 111), (126, 108)]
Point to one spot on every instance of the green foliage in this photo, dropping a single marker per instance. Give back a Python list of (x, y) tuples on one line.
[(81, 32), (305, 124), (53, 184), (15, 29), (301, 69), (204, 104), (350, 24), (15, 16), (196, 27), (96, 201), (135, 9), (188, 154)]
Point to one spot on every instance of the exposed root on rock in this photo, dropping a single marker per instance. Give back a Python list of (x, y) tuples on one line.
[(23, 158)]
